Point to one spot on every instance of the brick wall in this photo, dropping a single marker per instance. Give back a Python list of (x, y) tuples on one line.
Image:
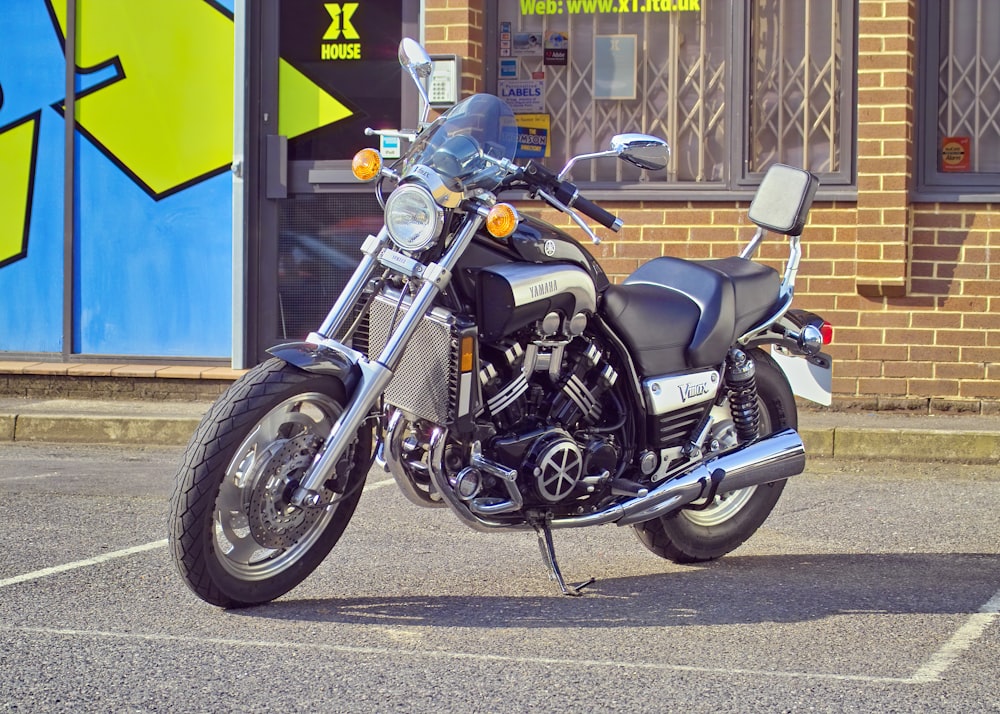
[(913, 289), (457, 27)]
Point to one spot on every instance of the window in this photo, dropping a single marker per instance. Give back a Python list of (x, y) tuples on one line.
[(733, 86), (795, 86), (960, 100)]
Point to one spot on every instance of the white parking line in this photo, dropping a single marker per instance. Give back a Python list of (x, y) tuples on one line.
[(961, 641), (48, 474), (394, 652), (97, 560), (930, 672)]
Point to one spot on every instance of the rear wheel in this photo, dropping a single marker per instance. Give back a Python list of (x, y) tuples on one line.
[(235, 536), (691, 536)]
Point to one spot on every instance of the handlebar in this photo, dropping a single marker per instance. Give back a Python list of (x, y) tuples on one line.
[(592, 210), (568, 194)]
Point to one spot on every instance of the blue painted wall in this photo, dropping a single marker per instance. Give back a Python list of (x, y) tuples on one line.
[(152, 269)]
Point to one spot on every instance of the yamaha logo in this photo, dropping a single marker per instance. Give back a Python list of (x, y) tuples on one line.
[(549, 247), (540, 290)]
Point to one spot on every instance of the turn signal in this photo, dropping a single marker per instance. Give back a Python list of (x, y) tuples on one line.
[(366, 164), (502, 220)]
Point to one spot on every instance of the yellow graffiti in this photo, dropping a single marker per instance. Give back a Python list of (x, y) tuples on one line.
[(302, 106), (168, 117), (17, 152)]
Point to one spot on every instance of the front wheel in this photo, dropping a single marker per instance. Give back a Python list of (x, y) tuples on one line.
[(234, 535), (693, 536)]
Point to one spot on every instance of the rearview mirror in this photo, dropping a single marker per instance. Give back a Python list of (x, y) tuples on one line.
[(642, 150), (415, 60)]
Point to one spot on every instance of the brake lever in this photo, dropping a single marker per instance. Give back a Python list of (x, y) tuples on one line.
[(574, 216)]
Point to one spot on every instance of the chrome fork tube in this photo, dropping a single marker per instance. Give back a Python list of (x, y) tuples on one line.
[(435, 279), (376, 375)]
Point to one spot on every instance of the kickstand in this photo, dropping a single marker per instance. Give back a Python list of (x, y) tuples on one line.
[(549, 556)]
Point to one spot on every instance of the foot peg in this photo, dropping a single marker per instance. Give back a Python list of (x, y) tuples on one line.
[(549, 556)]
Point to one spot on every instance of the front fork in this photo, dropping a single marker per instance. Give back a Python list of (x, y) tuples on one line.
[(376, 374)]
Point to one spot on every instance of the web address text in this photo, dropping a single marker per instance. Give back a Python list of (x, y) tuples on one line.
[(587, 7)]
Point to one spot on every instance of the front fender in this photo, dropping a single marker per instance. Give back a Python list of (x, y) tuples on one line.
[(321, 359)]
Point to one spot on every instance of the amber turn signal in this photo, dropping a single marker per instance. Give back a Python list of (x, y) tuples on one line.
[(502, 220), (366, 164)]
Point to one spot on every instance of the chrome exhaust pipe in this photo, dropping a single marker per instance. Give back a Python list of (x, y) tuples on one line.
[(772, 458)]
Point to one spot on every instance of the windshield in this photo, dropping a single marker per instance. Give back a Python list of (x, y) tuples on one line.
[(454, 144)]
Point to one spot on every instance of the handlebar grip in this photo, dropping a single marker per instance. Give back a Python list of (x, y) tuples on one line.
[(592, 210)]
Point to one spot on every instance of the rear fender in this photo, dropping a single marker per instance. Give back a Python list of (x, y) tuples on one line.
[(808, 370)]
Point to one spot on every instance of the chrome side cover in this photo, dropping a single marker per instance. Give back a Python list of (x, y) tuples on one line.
[(667, 393)]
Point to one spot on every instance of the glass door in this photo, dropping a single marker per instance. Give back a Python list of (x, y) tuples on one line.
[(325, 73)]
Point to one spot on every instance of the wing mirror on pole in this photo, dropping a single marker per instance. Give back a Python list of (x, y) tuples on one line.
[(642, 150), (415, 60)]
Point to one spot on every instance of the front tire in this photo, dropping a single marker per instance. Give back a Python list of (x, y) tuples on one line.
[(693, 536), (234, 537)]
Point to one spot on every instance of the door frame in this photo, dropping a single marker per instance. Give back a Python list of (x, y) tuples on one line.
[(265, 176)]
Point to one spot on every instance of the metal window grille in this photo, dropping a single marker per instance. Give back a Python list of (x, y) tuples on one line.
[(681, 91), (969, 79), (690, 88), (795, 85)]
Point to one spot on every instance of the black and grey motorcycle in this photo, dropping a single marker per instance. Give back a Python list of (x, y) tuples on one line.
[(484, 359)]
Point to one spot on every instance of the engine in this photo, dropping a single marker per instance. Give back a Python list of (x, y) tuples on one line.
[(550, 427), (551, 414)]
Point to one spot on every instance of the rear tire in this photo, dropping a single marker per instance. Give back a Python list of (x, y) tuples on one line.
[(690, 536), (234, 538)]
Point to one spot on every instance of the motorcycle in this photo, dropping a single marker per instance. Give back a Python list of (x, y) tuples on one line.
[(483, 358)]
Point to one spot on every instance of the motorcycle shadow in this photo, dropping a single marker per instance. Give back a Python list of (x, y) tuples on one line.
[(733, 590)]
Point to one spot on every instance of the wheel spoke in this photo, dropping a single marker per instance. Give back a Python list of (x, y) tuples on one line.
[(278, 447), (243, 550)]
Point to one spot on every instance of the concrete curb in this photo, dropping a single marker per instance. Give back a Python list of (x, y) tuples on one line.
[(77, 421), (838, 436), (102, 430), (973, 447)]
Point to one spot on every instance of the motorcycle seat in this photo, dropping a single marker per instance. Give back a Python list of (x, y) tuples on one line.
[(679, 314)]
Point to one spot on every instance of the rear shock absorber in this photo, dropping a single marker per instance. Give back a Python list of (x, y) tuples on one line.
[(742, 382)]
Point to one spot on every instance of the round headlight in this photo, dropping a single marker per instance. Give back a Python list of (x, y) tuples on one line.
[(412, 217)]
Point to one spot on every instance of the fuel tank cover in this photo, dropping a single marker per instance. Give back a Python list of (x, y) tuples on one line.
[(513, 295)]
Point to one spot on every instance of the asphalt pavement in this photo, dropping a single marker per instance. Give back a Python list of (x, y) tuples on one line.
[(870, 588), (955, 438)]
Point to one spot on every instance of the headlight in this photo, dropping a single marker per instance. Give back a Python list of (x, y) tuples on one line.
[(413, 218)]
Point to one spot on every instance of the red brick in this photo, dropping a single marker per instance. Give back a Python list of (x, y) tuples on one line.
[(883, 387), (980, 389), (932, 387), (963, 338), (909, 370), (960, 371), (910, 337)]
